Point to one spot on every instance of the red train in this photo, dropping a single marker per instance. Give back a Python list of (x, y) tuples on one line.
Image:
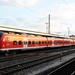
[(25, 42)]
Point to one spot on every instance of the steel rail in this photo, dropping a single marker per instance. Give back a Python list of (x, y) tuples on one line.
[(73, 73)]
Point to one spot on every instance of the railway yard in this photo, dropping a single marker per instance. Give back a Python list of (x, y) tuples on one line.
[(37, 37), (33, 55)]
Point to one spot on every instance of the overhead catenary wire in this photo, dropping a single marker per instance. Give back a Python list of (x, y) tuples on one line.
[(7, 15), (69, 5), (11, 16), (23, 7), (16, 17), (28, 8)]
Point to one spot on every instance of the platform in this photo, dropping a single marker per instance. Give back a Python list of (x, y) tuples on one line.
[(30, 32)]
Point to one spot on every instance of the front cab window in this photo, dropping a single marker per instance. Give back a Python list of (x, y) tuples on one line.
[(1, 33)]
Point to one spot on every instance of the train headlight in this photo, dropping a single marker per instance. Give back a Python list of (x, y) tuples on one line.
[(3, 45)]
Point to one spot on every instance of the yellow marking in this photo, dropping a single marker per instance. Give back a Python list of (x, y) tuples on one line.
[(11, 38)]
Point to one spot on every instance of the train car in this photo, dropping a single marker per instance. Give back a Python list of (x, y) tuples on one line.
[(58, 42), (10, 42), (33, 42), (67, 42), (55, 42), (21, 42)]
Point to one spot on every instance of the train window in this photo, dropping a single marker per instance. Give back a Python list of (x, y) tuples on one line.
[(66, 42), (29, 42), (20, 42), (14, 42), (55, 42), (39, 42), (42, 42), (60, 42), (50, 42), (32, 42)]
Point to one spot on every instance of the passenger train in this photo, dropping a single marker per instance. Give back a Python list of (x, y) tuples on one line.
[(25, 42)]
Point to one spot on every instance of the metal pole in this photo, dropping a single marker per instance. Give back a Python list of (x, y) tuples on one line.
[(68, 31), (49, 25), (46, 27)]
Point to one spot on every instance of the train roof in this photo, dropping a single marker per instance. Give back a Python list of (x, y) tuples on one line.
[(29, 32)]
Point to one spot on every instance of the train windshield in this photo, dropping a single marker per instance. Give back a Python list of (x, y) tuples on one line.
[(1, 33)]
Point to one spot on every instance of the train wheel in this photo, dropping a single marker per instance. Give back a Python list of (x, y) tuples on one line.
[(6, 54), (14, 52)]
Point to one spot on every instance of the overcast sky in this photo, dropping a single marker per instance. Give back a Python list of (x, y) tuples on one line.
[(33, 15)]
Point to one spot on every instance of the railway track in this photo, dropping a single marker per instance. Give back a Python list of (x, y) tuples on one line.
[(66, 69), (32, 62), (32, 54)]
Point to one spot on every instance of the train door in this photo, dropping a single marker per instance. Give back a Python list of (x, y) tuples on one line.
[(53, 42), (7, 42), (47, 41), (25, 43)]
